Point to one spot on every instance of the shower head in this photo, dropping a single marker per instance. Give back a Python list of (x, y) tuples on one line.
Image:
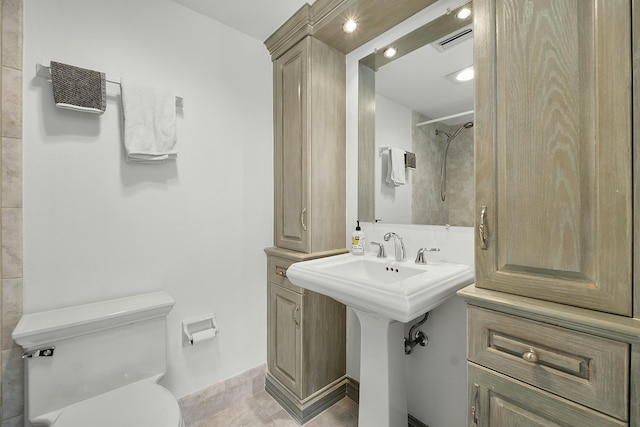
[(450, 137)]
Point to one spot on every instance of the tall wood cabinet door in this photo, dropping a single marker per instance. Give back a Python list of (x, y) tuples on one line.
[(291, 148), (553, 150), (285, 337), (496, 400)]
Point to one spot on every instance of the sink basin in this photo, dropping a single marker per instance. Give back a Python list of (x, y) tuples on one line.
[(396, 290)]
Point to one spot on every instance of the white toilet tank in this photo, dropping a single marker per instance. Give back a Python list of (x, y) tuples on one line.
[(96, 348)]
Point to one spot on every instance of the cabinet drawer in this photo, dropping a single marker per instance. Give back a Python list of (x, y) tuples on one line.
[(277, 273), (589, 370)]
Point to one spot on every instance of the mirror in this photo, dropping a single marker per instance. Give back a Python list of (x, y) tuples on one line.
[(412, 103)]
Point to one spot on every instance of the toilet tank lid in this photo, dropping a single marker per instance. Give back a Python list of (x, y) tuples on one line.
[(45, 328)]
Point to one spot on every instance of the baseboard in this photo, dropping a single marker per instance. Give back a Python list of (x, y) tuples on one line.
[(353, 393), (302, 410)]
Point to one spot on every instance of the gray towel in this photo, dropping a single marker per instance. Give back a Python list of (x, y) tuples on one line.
[(410, 160), (78, 89)]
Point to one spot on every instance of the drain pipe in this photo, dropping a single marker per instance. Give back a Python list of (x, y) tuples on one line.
[(419, 337)]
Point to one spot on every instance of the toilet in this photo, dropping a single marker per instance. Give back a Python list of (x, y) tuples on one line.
[(99, 364)]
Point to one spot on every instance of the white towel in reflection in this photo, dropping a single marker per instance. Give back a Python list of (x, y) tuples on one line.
[(149, 123), (395, 169)]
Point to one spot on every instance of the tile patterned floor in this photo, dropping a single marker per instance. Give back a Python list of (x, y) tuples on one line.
[(262, 410)]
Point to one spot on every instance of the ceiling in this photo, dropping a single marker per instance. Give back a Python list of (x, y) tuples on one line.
[(416, 80), (256, 18)]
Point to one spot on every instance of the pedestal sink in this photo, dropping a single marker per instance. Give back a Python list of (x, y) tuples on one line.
[(384, 294)]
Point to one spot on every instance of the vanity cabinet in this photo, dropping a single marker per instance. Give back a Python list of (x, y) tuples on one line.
[(306, 341), (309, 150), (553, 115)]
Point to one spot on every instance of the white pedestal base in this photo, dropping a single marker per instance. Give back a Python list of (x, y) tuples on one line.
[(383, 391)]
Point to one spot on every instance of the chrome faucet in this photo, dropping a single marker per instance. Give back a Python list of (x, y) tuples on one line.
[(381, 251), (421, 258), (401, 253)]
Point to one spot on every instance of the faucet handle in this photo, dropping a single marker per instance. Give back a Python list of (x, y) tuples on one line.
[(420, 257), (381, 251)]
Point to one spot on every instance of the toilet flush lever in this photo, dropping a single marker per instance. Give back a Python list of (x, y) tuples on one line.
[(41, 352)]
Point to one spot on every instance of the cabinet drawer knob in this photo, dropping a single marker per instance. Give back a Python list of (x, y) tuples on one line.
[(530, 356), (282, 273)]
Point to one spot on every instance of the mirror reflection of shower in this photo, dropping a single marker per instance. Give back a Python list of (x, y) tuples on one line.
[(443, 171)]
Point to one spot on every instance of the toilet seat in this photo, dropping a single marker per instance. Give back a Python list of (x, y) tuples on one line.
[(140, 404)]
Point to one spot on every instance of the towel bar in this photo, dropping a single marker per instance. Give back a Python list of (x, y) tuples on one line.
[(44, 70)]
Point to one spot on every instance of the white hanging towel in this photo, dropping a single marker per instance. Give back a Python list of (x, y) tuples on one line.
[(395, 169), (149, 123)]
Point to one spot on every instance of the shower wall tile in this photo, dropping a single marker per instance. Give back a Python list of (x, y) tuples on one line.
[(427, 205), (211, 400), (11, 309), (11, 173), (12, 384), (14, 422), (11, 102), (12, 34), (11, 243)]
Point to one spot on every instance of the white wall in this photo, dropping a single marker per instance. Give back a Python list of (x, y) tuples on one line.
[(436, 374), (96, 227), (393, 129)]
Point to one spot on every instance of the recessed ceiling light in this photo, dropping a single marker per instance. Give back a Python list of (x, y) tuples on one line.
[(464, 13), (350, 26), (390, 52), (465, 75), (461, 76)]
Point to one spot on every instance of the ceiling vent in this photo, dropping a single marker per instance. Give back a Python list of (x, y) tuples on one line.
[(453, 39)]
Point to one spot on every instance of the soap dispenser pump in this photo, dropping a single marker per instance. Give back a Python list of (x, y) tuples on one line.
[(358, 240)]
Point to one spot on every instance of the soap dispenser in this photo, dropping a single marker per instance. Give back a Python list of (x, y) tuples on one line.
[(358, 240)]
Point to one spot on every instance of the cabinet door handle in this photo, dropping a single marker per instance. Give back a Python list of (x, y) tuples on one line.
[(531, 356), (474, 405), (295, 315), (482, 228), (302, 215)]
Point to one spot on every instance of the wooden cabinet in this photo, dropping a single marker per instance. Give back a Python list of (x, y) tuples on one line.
[(285, 336), (309, 124), (552, 337), (497, 400), (306, 341), (553, 138), (581, 368)]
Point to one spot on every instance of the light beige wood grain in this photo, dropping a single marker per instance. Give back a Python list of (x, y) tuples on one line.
[(324, 20), (295, 256), (606, 325), (374, 17), (553, 150), (284, 358), (309, 148), (502, 401), (327, 148), (290, 147), (634, 396), (366, 143), (635, 36), (294, 29), (323, 342), (583, 368), (306, 338), (427, 33)]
